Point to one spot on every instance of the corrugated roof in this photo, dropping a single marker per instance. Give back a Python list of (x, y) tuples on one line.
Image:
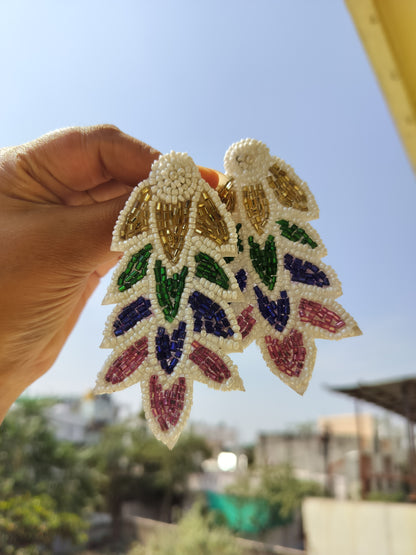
[(397, 396)]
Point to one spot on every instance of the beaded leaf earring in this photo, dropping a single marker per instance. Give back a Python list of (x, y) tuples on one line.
[(288, 292), (173, 322)]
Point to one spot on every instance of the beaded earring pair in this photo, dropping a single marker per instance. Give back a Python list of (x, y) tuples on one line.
[(205, 272)]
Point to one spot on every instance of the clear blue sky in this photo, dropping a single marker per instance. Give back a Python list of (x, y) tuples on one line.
[(195, 77)]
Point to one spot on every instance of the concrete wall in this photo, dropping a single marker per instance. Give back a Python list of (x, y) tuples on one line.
[(301, 451), (305, 454), (359, 527), (142, 529)]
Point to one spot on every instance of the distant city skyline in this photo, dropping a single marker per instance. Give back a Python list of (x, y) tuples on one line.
[(197, 77)]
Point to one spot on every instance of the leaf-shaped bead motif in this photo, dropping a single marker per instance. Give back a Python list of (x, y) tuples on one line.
[(264, 261), (136, 269), (172, 323), (288, 292), (137, 219)]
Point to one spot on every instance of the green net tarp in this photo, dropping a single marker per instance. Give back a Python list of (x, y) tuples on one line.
[(242, 514)]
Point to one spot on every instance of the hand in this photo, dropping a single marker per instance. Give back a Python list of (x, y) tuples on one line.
[(59, 198)]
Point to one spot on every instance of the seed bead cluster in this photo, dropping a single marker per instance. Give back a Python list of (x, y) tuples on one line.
[(246, 160), (175, 177)]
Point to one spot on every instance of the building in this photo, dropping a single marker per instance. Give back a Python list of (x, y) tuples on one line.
[(346, 464), (81, 420)]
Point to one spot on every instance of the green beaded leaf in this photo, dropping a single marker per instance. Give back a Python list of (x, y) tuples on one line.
[(240, 245), (295, 234), (169, 290), (209, 269), (136, 269), (264, 260)]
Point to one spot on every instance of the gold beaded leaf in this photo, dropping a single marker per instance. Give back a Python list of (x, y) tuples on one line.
[(173, 223), (226, 193), (137, 220), (209, 222), (288, 191), (256, 206)]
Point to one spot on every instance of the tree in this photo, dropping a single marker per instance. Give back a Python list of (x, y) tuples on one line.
[(279, 488), (137, 467), (29, 525), (284, 492), (33, 460), (126, 464), (195, 533), (169, 470)]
